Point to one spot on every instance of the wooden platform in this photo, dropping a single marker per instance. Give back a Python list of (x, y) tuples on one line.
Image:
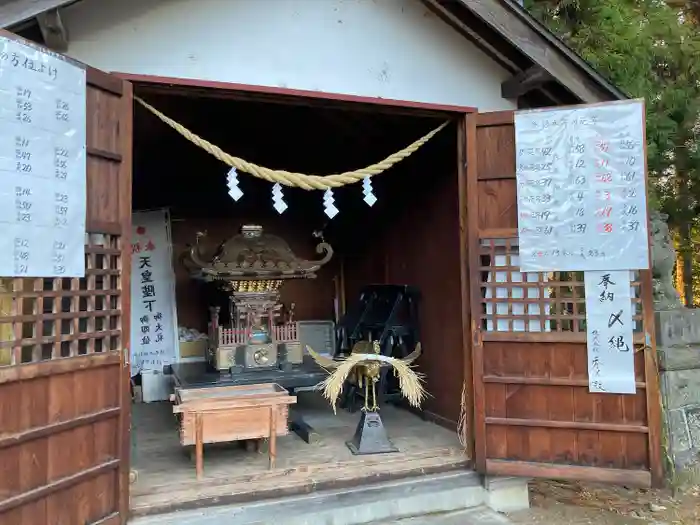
[(166, 475)]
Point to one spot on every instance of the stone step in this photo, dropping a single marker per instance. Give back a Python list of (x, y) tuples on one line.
[(476, 516), (377, 502)]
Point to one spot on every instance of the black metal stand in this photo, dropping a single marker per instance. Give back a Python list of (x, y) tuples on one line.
[(370, 436), (384, 313)]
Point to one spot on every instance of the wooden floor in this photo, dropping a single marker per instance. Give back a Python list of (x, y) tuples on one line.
[(166, 475)]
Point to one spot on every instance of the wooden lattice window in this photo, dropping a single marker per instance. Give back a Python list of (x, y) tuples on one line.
[(543, 302), (53, 318)]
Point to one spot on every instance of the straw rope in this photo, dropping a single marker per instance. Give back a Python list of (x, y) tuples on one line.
[(288, 178)]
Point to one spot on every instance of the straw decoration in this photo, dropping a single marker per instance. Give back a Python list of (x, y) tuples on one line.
[(410, 382)]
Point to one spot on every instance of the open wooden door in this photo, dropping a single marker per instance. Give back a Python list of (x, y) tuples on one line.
[(64, 375), (534, 416)]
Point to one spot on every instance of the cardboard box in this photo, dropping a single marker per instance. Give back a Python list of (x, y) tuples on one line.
[(194, 349)]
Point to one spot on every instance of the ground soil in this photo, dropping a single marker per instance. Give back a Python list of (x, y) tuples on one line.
[(572, 503)]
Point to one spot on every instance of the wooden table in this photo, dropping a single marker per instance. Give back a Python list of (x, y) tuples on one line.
[(194, 375), (232, 413)]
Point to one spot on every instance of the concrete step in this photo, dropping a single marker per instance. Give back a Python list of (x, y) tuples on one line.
[(477, 516), (378, 502)]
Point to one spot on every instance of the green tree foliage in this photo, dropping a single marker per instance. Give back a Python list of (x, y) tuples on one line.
[(650, 51)]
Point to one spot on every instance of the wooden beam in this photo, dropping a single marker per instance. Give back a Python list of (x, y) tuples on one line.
[(17, 11), (524, 82), (541, 48), (52, 29), (447, 15)]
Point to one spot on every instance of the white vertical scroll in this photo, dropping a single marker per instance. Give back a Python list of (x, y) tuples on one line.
[(609, 326), (42, 163), (154, 340)]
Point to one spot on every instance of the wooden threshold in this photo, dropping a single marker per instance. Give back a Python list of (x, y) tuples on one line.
[(525, 469), (280, 483)]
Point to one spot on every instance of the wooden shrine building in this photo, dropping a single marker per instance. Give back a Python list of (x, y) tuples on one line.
[(314, 87)]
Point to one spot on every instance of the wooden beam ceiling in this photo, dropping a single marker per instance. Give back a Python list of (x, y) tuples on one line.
[(18, 11), (487, 45), (524, 82), (510, 36), (53, 30), (492, 51), (515, 26)]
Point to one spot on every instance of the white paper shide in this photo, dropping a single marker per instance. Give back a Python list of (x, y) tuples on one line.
[(610, 326), (42, 163), (581, 188), (153, 326)]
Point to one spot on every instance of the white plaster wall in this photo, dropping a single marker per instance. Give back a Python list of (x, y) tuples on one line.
[(375, 48)]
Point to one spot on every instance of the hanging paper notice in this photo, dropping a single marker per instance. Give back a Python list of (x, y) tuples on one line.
[(581, 188), (153, 326), (609, 325), (42, 163)]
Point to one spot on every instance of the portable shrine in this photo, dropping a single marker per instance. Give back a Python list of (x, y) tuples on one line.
[(252, 267)]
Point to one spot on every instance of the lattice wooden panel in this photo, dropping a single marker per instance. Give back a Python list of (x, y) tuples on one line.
[(513, 301), (42, 319)]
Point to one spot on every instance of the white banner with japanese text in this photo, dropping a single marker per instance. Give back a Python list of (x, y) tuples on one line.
[(153, 312), (582, 188), (609, 326)]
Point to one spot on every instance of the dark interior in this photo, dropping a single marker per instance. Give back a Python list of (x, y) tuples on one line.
[(410, 236)]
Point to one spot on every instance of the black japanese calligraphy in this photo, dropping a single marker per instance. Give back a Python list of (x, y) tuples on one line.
[(605, 281), (615, 318), (618, 343)]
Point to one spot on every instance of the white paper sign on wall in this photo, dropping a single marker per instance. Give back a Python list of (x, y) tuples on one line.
[(581, 188), (154, 340), (42, 163), (609, 326)]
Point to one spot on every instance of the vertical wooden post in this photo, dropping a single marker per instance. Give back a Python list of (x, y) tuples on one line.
[(465, 283), (272, 448), (473, 257), (651, 363), (199, 444)]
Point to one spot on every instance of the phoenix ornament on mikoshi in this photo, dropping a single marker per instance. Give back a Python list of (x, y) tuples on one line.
[(363, 367)]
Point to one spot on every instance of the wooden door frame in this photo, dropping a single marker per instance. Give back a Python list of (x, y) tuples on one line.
[(232, 90), (227, 90), (126, 189)]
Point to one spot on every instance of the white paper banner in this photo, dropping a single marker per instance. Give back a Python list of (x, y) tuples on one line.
[(581, 188), (153, 313), (42, 163), (609, 325)]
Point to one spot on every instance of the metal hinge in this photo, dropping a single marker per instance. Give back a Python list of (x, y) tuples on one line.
[(127, 357)]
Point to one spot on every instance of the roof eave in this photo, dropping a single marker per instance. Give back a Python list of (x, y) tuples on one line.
[(509, 22)]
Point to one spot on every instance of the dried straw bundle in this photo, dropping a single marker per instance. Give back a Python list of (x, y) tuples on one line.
[(462, 422), (410, 382)]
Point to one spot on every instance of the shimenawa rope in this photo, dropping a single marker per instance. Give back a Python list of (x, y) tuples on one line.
[(299, 180)]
